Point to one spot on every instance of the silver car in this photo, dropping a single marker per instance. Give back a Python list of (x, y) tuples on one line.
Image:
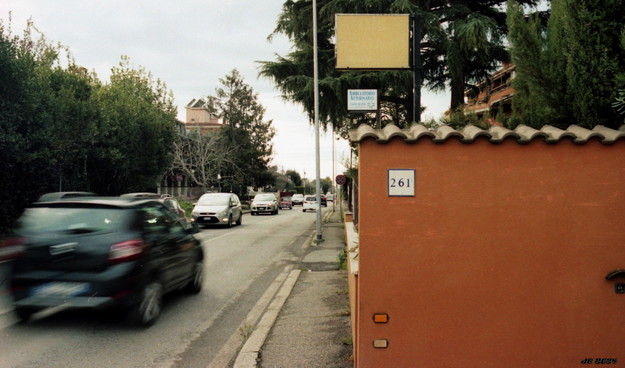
[(217, 209), (264, 202)]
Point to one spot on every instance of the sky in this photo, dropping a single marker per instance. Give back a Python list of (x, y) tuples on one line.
[(190, 45)]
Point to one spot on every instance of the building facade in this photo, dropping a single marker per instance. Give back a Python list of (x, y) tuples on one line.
[(492, 97)]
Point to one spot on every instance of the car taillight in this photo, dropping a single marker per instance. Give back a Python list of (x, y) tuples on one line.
[(11, 248), (126, 251)]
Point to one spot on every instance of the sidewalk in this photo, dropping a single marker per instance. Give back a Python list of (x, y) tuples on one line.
[(311, 327)]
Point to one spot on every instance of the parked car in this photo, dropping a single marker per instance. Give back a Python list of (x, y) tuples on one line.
[(310, 203), (170, 202), (264, 202), (285, 202), (61, 195), (144, 195), (103, 252), (217, 209), (297, 199), (174, 206), (330, 197), (324, 200)]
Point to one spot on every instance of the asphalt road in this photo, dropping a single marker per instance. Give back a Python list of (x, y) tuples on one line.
[(202, 330)]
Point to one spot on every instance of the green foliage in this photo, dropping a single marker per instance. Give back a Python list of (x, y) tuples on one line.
[(62, 129), (187, 207), (342, 260), (461, 44), (295, 177), (135, 132), (570, 72), (245, 130), (325, 184), (619, 103)]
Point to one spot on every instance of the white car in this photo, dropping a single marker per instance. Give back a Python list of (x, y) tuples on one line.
[(297, 199), (310, 203), (264, 202)]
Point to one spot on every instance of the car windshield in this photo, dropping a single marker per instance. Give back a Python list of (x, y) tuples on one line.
[(214, 200), (264, 197), (72, 220), (311, 199)]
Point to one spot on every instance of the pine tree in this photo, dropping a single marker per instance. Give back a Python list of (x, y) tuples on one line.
[(573, 74)]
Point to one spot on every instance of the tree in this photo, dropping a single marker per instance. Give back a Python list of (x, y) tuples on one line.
[(45, 117), (203, 159), (295, 177), (462, 43), (135, 134), (595, 58), (62, 129), (533, 94), (570, 72), (325, 184), (245, 130)]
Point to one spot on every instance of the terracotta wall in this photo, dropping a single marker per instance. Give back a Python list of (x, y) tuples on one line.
[(500, 258)]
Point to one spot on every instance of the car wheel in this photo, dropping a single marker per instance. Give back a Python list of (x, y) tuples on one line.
[(147, 311), (197, 279), (240, 220)]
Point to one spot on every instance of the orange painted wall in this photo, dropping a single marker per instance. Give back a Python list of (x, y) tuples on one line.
[(500, 258)]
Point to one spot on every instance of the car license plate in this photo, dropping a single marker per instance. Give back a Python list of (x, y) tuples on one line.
[(60, 289)]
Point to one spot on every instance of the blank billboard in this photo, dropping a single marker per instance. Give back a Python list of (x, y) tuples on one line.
[(372, 41)]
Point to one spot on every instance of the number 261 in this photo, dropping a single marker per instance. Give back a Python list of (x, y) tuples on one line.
[(401, 183)]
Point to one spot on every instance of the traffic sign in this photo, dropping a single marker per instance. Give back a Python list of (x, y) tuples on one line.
[(341, 179)]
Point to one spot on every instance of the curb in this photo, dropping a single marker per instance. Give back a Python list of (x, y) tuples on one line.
[(248, 356), (249, 353)]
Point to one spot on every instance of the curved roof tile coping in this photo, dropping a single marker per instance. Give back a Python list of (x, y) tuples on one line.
[(495, 134)]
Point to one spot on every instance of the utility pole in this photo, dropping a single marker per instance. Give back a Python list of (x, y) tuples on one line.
[(316, 98)]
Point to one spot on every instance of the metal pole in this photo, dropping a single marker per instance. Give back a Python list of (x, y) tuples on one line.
[(416, 67), (333, 176), (316, 97)]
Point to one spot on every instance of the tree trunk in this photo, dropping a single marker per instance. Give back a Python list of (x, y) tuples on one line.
[(457, 93)]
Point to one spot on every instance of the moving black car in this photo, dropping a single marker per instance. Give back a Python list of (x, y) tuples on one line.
[(101, 252)]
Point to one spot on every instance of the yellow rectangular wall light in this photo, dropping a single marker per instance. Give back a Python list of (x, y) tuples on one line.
[(372, 41), (380, 343)]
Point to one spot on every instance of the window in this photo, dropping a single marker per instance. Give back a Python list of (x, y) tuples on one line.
[(159, 219)]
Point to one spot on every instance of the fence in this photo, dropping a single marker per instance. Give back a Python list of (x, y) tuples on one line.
[(182, 192)]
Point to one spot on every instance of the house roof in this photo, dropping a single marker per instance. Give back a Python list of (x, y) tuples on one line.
[(495, 134)]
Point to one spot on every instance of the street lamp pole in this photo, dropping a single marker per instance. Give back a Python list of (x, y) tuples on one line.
[(316, 98)]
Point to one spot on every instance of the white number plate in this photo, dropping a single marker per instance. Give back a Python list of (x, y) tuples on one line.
[(401, 182), (60, 289)]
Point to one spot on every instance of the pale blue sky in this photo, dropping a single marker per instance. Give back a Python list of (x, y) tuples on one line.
[(190, 44)]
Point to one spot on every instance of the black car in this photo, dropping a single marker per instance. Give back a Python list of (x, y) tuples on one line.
[(104, 252)]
